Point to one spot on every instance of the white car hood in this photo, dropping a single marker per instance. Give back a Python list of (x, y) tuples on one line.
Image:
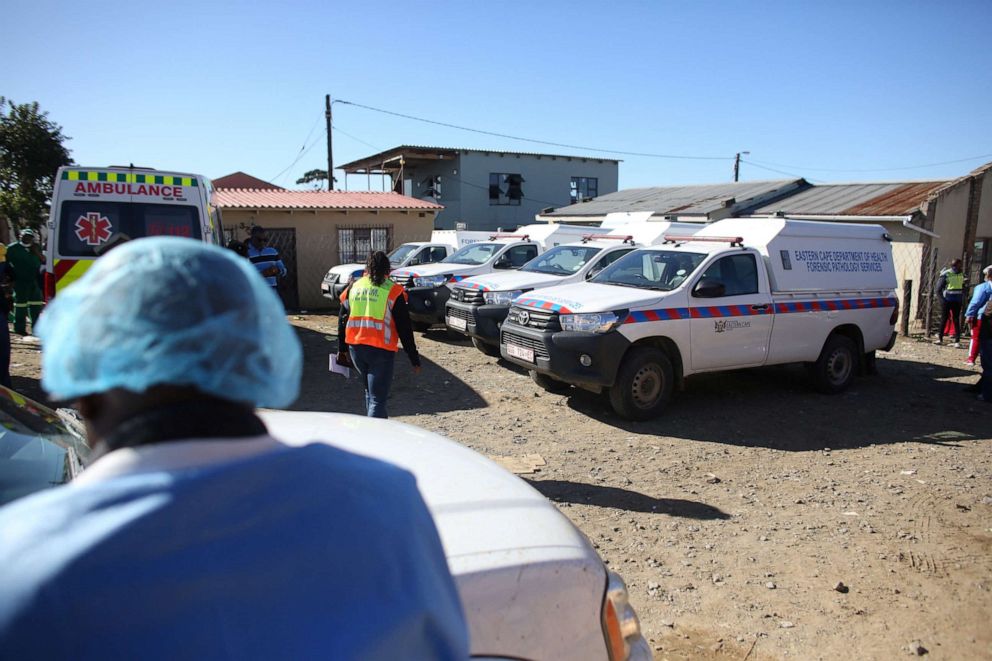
[(346, 269), (589, 297), (511, 280), (530, 583)]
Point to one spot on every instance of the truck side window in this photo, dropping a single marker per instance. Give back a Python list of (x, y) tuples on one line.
[(437, 254), (738, 273), (520, 255), (606, 260)]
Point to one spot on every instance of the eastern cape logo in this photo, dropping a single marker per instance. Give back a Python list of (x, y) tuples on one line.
[(724, 325)]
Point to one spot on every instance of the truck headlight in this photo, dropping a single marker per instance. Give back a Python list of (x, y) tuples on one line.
[(501, 297), (590, 322), (620, 624), (430, 280)]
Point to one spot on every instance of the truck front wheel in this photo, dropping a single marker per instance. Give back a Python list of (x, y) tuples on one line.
[(485, 347), (644, 384), (548, 383), (834, 370)]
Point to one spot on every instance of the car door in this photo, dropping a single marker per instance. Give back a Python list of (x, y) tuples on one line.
[(733, 329)]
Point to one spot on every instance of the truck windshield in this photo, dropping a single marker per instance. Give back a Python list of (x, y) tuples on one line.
[(662, 270), (86, 226), (474, 254), (562, 260), (397, 256)]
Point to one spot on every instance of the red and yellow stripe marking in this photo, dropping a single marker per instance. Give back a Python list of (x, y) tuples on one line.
[(67, 271)]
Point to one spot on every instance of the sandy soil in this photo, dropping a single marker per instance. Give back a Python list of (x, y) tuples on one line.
[(736, 515)]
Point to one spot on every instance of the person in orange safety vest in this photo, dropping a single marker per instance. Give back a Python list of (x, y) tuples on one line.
[(373, 322)]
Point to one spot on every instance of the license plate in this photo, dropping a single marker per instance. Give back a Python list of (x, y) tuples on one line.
[(457, 323), (520, 352)]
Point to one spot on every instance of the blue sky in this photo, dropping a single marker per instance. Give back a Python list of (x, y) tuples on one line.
[(832, 91)]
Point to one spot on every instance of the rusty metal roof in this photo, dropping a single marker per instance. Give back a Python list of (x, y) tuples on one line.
[(878, 199), (253, 198)]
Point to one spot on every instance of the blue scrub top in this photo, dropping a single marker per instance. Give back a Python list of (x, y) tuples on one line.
[(298, 553)]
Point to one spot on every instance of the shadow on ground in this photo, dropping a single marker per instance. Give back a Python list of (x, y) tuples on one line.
[(580, 493), (775, 407), (434, 390)]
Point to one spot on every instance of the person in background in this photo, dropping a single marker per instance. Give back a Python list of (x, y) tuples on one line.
[(950, 288), (25, 259), (195, 533), (6, 303), (976, 329), (374, 320), (265, 257), (979, 308)]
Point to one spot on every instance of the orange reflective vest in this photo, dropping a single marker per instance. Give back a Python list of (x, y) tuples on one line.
[(370, 321)]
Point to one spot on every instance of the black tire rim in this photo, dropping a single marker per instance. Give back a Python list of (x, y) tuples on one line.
[(839, 367), (646, 386)]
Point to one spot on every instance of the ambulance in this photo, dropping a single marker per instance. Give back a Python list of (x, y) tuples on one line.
[(95, 209), (739, 293)]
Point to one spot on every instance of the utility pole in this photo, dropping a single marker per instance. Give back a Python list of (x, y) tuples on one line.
[(330, 155), (737, 164)]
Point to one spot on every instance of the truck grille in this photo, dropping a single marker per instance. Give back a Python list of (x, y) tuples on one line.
[(540, 319), (540, 351), (470, 296), (406, 282), (459, 313)]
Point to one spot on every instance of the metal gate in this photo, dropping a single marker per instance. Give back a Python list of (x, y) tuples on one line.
[(283, 239)]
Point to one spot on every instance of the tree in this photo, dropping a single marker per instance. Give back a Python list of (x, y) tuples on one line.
[(31, 151), (315, 177)]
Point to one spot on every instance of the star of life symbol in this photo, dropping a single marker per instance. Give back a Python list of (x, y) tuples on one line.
[(93, 229)]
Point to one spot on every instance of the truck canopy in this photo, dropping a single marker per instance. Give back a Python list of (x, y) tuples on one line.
[(804, 255)]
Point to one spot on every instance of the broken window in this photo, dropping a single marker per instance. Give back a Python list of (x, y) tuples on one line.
[(583, 188), (505, 189)]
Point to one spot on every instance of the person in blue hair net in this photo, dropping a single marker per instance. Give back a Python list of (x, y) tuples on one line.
[(195, 534)]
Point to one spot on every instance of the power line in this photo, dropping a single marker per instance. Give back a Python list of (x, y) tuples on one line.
[(303, 152), (540, 142), (367, 144), (904, 167), (788, 174)]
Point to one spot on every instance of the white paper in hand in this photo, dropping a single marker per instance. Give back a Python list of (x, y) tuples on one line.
[(337, 368)]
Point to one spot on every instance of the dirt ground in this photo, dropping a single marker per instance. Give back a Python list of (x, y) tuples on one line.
[(735, 517)]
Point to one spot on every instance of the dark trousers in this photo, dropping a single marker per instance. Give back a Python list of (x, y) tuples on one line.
[(375, 368), (985, 352), (952, 310), (5, 354)]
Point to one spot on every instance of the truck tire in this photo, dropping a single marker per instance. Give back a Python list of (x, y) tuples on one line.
[(834, 370), (420, 326), (485, 347), (644, 384), (550, 384)]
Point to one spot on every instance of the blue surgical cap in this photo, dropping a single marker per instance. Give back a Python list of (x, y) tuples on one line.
[(173, 311)]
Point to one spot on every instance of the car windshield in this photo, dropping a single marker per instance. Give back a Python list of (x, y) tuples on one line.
[(562, 260), (662, 270), (37, 450), (397, 256), (474, 254)]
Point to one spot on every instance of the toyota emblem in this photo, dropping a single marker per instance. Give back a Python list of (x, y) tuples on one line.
[(524, 317)]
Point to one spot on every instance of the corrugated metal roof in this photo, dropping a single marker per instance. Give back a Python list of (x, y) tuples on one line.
[(683, 200), (377, 159), (251, 198), (881, 199)]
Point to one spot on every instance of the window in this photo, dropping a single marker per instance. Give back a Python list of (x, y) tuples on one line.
[(738, 273), (86, 226), (520, 255), (437, 254), (562, 260), (663, 270), (355, 243), (606, 260), (505, 189), (584, 188)]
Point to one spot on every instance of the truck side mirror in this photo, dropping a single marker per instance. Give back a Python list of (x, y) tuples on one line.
[(709, 288), (413, 262), (503, 262)]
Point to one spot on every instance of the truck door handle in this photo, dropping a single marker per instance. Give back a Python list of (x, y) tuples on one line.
[(760, 308)]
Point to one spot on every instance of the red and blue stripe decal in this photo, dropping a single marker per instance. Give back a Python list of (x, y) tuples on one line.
[(475, 285), (459, 278), (722, 311), (541, 304)]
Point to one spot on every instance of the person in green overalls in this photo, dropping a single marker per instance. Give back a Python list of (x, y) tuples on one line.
[(25, 260)]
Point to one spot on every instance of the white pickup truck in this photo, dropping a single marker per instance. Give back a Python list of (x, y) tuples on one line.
[(478, 305), (429, 286), (739, 293), (442, 244)]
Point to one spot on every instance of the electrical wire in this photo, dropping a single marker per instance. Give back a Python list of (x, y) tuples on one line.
[(788, 174), (904, 167), (540, 142), (303, 152), (335, 128)]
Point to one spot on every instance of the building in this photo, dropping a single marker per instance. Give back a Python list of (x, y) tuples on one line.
[(241, 180), (314, 230), (489, 189), (704, 203)]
